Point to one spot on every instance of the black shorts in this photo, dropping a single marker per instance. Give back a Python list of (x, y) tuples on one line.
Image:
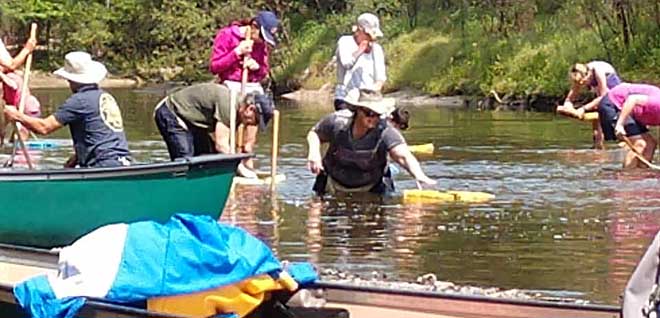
[(608, 114)]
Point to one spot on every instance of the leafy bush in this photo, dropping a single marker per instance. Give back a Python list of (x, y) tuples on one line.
[(441, 47)]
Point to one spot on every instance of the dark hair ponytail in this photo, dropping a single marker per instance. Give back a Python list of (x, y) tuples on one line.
[(243, 22), (401, 117)]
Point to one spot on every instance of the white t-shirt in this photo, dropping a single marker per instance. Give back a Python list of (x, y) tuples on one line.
[(601, 67), (360, 73), (4, 54)]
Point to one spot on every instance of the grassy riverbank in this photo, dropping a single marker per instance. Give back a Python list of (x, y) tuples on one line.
[(515, 48), (471, 54)]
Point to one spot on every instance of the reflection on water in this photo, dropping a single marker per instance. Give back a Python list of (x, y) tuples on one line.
[(565, 218)]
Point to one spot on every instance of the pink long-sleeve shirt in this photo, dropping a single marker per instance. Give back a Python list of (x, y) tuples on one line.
[(227, 65)]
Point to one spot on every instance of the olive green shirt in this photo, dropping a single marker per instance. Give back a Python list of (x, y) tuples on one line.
[(202, 105)]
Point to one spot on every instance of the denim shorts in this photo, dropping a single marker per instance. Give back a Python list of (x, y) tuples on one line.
[(608, 114)]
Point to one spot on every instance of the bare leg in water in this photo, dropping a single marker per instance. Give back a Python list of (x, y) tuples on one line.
[(645, 144), (599, 140)]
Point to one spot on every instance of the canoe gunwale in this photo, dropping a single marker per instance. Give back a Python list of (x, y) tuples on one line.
[(341, 294), (355, 291), (30, 256), (93, 307), (179, 166), (47, 259)]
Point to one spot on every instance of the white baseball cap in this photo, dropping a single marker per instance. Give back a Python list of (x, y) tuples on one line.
[(370, 24)]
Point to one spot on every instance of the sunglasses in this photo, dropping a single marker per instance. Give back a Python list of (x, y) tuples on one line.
[(369, 112)]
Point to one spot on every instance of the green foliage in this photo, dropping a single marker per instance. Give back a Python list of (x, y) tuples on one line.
[(475, 49), (26, 11), (440, 47)]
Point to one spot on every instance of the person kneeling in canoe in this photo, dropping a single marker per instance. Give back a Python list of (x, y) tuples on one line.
[(92, 114), (359, 142), (195, 120), (626, 110)]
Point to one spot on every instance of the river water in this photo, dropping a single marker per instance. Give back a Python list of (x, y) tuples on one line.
[(566, 220)]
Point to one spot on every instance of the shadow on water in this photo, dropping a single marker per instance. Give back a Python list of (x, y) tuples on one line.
[(565, 218)]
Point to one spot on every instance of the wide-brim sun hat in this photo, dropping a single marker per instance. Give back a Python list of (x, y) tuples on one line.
[(80, 68), (371, 100)]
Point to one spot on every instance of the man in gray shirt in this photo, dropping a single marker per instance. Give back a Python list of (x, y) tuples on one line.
[(188, 117)]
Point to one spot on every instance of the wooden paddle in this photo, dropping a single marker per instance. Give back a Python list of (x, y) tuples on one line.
[(274, 153), (244, 75), (232, 111), (587, 117), (639, 156), (21, 106)]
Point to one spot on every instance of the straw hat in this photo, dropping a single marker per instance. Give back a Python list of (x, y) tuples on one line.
[(371, 100), (80, 68)]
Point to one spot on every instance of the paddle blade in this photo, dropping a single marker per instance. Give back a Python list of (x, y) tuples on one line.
[(427, 196), (434, 196), (424, 149), (472, 197), (262, 180), (591, 116), (588, 117)]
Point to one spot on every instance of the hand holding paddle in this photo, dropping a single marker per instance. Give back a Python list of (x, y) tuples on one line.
[(251, 64), (639, 156), (620, 132), (31, 43), (571, 112), (244, 47)]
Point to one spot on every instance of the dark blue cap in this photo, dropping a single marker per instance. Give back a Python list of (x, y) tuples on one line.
[(268, 23), (264, 105)]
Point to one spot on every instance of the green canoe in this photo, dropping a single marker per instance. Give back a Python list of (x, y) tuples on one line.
[(53, 208)]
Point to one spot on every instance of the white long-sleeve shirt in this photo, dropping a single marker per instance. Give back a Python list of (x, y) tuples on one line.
[(361, 73), (4, 54)]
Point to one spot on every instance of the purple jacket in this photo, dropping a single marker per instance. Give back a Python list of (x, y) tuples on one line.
[(227, 65)]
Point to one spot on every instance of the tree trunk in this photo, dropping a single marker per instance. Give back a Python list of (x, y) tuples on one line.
[(657, 13), (599, 30), (413, 9), (620, 6), (48, 25)]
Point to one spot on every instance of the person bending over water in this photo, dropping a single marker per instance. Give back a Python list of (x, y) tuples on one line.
[(626, 110), (597, 76)]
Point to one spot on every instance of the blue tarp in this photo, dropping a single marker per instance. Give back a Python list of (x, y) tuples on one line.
[(189, 253)]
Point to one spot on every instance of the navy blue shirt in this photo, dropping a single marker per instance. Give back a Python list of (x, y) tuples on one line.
[(96, 125)]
